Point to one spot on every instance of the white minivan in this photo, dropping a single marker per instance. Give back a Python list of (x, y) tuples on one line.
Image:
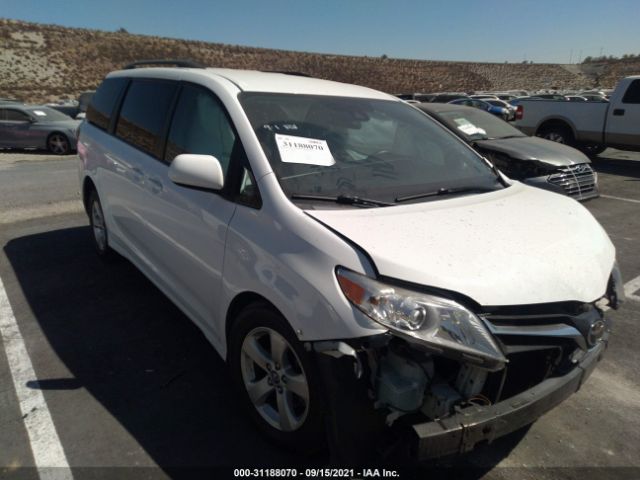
[(359, 267)]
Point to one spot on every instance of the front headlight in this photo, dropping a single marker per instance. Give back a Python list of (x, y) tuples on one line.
[(438, 323)]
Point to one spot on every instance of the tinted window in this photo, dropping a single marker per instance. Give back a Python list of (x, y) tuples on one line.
[(144, 113), (103, 102), (13, 116), (632, 95), (200, 126)]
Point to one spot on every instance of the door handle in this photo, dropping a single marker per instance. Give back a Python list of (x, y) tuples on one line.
[(156, 185), (138, 175), (618, 112)]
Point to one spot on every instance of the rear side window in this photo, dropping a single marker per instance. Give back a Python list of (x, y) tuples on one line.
[(144, 112), (200, 125), (632, 95), (103, 102)]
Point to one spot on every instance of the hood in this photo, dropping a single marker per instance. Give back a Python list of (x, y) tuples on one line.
[(534, 148), (516, 246)]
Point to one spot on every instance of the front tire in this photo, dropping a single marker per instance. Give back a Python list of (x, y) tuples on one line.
[(276, 378), (592, 149), (58, 144)]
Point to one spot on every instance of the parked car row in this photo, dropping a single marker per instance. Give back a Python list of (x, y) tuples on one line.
[(591, 126)]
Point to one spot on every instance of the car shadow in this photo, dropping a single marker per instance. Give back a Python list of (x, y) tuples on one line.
[(149, 366), (616, 166)]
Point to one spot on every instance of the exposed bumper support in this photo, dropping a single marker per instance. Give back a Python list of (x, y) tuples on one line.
[(461, 432)]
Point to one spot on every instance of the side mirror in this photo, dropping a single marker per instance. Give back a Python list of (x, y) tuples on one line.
[(200, 171)]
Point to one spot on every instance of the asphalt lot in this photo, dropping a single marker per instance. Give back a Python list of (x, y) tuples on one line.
[(130, 382)]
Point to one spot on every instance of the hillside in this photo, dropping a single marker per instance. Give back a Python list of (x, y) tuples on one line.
[(47, 62)]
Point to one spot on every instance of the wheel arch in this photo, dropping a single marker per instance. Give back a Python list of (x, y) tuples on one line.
[(87, 187), (240, 302)]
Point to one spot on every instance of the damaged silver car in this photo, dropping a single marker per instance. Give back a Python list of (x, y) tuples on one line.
[(531, 160)]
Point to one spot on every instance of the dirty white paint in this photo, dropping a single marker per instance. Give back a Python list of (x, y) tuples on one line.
[(631, 200), (48, 454), (516, 246)]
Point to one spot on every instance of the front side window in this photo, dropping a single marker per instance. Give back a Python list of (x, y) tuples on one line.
[(144, 113), (382, 149), (200, 125)]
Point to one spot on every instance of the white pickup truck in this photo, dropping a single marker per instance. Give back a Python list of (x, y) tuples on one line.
[(590, 126)]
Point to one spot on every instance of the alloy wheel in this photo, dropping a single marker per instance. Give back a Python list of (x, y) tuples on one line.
[(555, 137), (274, 379), (58, 144)]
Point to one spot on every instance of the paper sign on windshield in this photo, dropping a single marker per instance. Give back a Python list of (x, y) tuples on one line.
[(40, 113), (467, 127), (310, 151)]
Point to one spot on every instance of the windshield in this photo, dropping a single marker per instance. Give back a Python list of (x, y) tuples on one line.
[(475, 124), (376, 149), (46, 114)]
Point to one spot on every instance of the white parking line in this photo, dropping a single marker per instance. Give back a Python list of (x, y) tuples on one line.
[(631, 287), (620, 198), (48, 453)]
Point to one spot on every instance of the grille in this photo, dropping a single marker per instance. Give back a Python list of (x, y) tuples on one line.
[(578, 181)]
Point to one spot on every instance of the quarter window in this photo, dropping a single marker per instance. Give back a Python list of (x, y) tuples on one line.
[(200, 125), (102, 104), (632, 95), (144, 113)]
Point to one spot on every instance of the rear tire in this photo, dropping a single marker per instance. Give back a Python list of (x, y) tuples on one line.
[(276, 379), (99, 233), (558, 134), (58, 144)]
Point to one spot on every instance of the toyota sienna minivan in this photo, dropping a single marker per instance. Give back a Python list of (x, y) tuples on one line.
[(359, 267)]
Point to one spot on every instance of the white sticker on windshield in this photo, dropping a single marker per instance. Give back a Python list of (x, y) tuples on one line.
[(40, 113), (310, 151), (465, 126)]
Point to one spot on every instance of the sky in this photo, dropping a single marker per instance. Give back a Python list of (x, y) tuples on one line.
[(561, 31)]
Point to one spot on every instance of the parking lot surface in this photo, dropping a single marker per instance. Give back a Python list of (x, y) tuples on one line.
[(128, 381)]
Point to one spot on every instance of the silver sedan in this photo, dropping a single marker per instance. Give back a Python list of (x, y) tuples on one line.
[(32, 126)]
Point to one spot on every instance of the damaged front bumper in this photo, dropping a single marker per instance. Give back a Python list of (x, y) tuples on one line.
[(462, 431)]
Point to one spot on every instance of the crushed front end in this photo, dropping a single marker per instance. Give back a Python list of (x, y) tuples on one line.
[(424, 399)]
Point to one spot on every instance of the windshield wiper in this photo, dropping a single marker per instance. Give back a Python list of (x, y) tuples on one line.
[(510, 136), (444, 191), (343, 200)]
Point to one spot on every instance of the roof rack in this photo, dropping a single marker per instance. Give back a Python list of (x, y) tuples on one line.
[(176, 62), (286, 72)]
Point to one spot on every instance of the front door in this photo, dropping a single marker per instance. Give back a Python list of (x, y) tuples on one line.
[(15, 128), (623, 122)]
